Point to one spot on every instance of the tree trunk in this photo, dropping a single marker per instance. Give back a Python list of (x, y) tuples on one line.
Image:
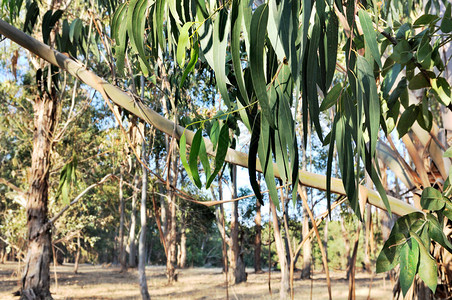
[(77, 256), (284, 291), (258, 239), (306, 271), (352, 268), (171, 259), (122, 252), (346, 246), (325, 237), (367, 233), (133, 224), (237, 265), (182, 258), (36, 275), (143, 220)]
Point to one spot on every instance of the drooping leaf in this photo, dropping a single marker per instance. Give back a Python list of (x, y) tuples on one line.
[(183, 43), (136, 20), (407, 119), (436, 233), (220, 43), (257, 39), (252, 157), (48, 21), (31, 17), (236, 22), (332, 97), (194, 51), (409, 259), (183, 155), (369, 35), (193, 157), (428, 270), (222, 149)]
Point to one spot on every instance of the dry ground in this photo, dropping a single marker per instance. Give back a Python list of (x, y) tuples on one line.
[(99, 282)]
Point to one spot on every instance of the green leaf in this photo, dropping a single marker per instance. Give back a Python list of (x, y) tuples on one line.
[(223, 144), (183, 43), (204, 158), (31, 17), (257, 40), (183, 155), (136, 20), (48, 21), (220, 43), (402, 52), (425, 117), (331, 41), (119, 33), (428, 270), (214, 133), (448, 152), (441, 88), (332, 97), (191, 64), (389, 255), (426, 19), (369, 35), (236, 21), (446, 23), (432, 199), (193, 157), (252, 157), (310, 76), (409, 259), (159, 19), (436, 233), (407, 119), (418, 82)]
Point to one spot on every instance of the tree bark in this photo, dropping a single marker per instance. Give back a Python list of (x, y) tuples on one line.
[(77, 256), (133, 224), (143, 220), (122, 252), (171, 259), (346, 246), (284, 291), (237, 265), (182, 258), (258, 239), (36, 276), (306, 271)]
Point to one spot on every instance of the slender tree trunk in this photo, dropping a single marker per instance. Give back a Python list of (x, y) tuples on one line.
[(133, 223), (352, 268), (284, 291), (325, 237), (182, 258), (237, 265), (77, 256), (306, 271), (122, 252), (171, 259), (258, 239), (367, 233), (36, 276), (346, 246), (143, 220)]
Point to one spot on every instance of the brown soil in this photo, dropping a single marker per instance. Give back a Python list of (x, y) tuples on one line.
[(103, 282)]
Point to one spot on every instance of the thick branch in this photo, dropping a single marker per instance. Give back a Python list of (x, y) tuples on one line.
[(150, 116)]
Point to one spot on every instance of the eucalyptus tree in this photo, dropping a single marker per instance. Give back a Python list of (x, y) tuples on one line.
[(265, 57)]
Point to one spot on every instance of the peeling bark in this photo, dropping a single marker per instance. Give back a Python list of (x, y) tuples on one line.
[(36, 276)]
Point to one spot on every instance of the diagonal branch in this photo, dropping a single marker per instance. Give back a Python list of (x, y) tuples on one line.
[(122, 99)]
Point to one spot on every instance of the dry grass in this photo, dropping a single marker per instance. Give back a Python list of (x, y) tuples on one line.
[(97, 282)]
